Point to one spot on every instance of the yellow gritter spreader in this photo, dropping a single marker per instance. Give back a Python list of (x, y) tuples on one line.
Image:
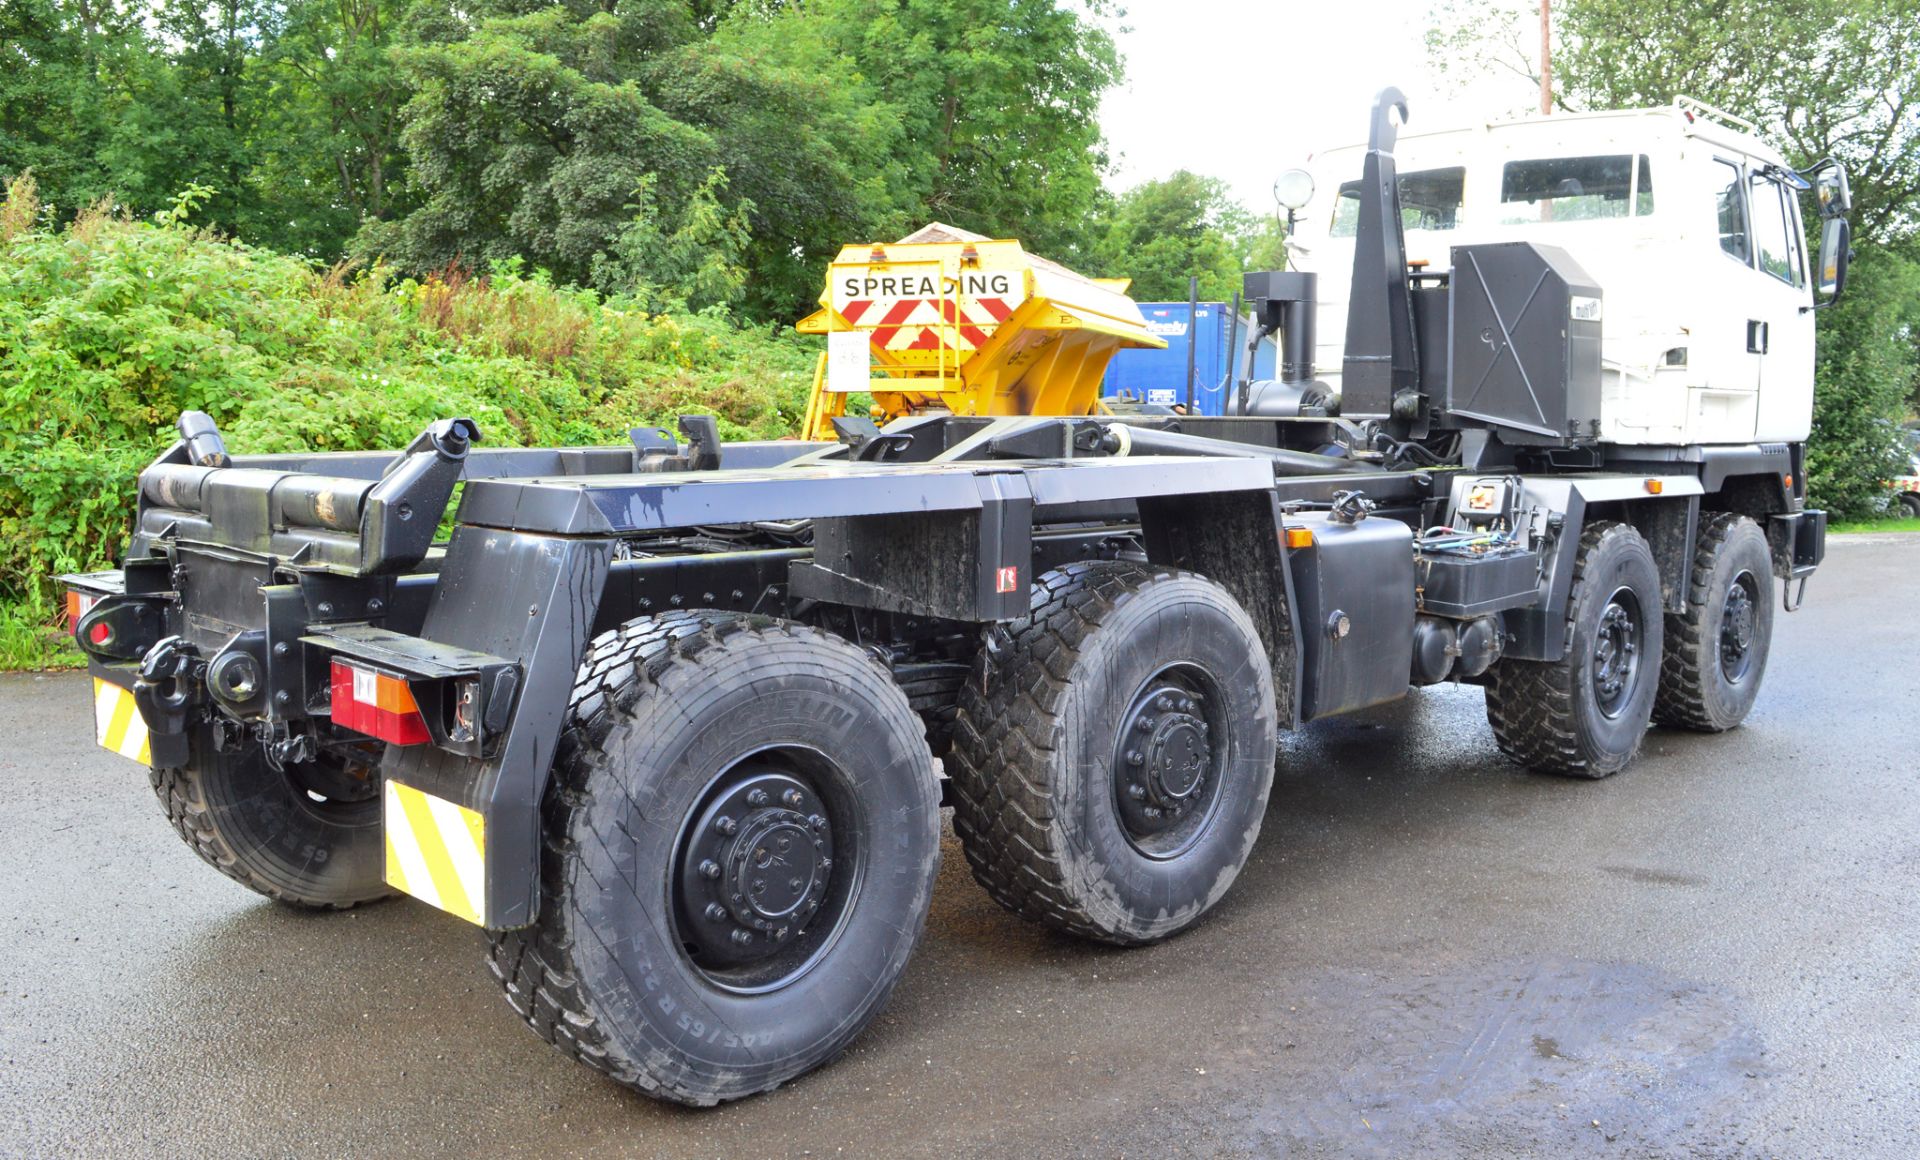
[(947, 320)]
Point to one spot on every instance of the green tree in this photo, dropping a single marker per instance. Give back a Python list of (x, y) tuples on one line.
[(807, 142), (1161, 232), (66, 74), (202, 111), (999, 103), (1867, 367), (528, 135), (328, 155)]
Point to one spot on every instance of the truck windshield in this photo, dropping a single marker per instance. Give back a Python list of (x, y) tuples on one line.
[(1569, 189), (1429, 200)]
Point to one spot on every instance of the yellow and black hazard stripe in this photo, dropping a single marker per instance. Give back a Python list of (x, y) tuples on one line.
[(117, 724), (436, 851)]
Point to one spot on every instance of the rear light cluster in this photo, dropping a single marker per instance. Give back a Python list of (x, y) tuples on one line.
[(378, 704), (78, 605)]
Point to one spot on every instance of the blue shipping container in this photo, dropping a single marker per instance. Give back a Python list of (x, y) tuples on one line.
[(1160, 376)]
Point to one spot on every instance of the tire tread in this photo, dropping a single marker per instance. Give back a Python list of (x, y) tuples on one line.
[(1530, 704)]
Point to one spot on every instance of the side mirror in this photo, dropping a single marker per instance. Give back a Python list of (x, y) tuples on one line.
[(1830, 186), (1836, 244)]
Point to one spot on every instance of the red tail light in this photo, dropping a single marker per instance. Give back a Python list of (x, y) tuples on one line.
[(78, 605), (372, 702)]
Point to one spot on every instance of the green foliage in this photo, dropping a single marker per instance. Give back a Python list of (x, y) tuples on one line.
[(582, 136), (110, 327), (1161, 232), (997, 100), (1849, 527), (694, 261), (1867, 368)]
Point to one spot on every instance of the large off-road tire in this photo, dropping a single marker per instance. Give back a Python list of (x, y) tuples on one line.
[(271, 832), (1910, 505), (1585, 714), (1716, 651), (1111, 761), (741, 835)]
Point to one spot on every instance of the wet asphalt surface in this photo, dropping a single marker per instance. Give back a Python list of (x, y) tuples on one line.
[(1431, 953)]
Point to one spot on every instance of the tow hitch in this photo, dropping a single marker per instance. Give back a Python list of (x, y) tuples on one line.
[(171, 685)]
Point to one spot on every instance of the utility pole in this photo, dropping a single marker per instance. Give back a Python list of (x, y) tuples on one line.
[(1546, 58)]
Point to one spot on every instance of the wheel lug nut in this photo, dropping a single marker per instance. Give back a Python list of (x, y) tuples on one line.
[(743, 937), (1136, 792), (793, 797), (757, 797), (794, 884), (1134, 757), (725, 824), (1153, 811), (1164, 703), (709, 869), (715, 911), (1186, 705), (759, 885), (1145, 724), (817, 822), (826, 863)]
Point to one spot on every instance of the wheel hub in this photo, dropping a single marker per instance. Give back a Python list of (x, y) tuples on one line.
[(1616, 649), (1163, 760), (755, 868), (1737, 629)]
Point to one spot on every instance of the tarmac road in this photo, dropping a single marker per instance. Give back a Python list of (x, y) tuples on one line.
[(1431, 952)]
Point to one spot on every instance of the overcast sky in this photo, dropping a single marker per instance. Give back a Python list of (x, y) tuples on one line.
[(1311, 70)]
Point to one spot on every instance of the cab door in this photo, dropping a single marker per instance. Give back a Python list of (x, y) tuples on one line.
[(1724, 378), (1781, 318)]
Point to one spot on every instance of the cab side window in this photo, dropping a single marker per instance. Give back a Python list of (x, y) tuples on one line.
[(1575, 189), (1774, 238), (1732, 203), (1430, 199)]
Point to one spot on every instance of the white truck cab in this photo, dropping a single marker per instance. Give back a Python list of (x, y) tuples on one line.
[(1688, 220)]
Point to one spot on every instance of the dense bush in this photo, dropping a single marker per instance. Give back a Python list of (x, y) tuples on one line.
[(1867, 373), (110, 327)]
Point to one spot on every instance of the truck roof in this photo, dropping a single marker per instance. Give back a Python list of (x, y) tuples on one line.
[(1685, 117)]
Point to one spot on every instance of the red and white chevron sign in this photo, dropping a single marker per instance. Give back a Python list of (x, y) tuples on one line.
[(906, 311)]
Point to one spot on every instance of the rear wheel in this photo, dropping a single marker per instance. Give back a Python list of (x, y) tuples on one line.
[(307, 835), (742, 833), (1111, 763), (1910, 505), (1586, 713), (1716, 651)]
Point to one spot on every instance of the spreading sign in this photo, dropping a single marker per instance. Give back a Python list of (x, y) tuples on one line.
[(919, 307)]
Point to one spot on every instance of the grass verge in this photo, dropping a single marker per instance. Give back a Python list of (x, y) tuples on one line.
[(1849, 526)]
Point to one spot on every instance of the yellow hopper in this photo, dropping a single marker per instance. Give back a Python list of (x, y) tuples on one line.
[(947, 320)]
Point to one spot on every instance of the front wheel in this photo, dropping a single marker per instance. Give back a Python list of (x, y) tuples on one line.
[(1585, 714), (742, 834)]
